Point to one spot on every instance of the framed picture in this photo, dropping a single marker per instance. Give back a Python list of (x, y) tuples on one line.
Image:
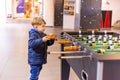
[(69, 7)]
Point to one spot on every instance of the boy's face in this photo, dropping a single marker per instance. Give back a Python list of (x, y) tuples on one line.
[(41, 28)]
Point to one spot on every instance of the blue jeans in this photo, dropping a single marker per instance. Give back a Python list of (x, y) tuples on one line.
[(35, 71)]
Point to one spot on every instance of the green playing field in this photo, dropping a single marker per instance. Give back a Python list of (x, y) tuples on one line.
[(115, 50)]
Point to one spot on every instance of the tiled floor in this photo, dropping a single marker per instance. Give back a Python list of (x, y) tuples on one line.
[(13, 54)]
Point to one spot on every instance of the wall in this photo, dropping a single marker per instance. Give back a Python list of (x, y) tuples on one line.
[(86, 16), (49, 12), (9, 8), (77, 14), (113, 5), (69, 20), (3, 12), (90, 14)]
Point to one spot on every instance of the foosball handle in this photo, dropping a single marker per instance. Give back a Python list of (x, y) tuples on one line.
[(67, 52), (48, 52), (74, 57)]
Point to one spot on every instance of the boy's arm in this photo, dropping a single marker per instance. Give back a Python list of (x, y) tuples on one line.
[(34, 41), (50, 42), (51, 38)]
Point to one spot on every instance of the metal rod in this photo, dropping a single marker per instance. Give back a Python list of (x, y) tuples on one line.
[(113, 51), (73, 57), (66, 52)]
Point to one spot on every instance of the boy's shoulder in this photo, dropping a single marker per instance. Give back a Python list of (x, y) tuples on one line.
[(33, 30)]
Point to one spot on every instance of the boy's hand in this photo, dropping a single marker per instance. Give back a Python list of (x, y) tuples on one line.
[(44, 39), (51, 36)]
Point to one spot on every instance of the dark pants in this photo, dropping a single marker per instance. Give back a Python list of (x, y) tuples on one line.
[(35, 71)]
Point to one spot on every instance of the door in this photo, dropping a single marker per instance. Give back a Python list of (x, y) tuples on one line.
[(58, 16)]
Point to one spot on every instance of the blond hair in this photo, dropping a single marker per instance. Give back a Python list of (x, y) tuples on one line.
[(38, 21)]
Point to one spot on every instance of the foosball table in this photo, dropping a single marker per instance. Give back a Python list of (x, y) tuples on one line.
[(92, 55)]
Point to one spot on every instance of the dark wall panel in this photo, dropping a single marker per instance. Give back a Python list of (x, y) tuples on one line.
[(90, 14), (58, 16)]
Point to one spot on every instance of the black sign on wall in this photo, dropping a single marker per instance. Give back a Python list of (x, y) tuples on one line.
[(90, 14)]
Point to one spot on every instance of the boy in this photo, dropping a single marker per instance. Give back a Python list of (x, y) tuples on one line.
[(37, 47)]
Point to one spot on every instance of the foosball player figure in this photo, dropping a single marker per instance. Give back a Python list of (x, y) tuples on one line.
[(119, 36), (80, 30), (101, 51), (105, 43), (110, 36), (104, 38), (100, 36), (89, 37), (113, 38), (105, 32), (93, 33), (110, 41), (93, 44), (116, 42), (74, 43), (84, 39), (119, 41), (80, 48), (88, 41), (111, 47), (100, 41), (93, 39)]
